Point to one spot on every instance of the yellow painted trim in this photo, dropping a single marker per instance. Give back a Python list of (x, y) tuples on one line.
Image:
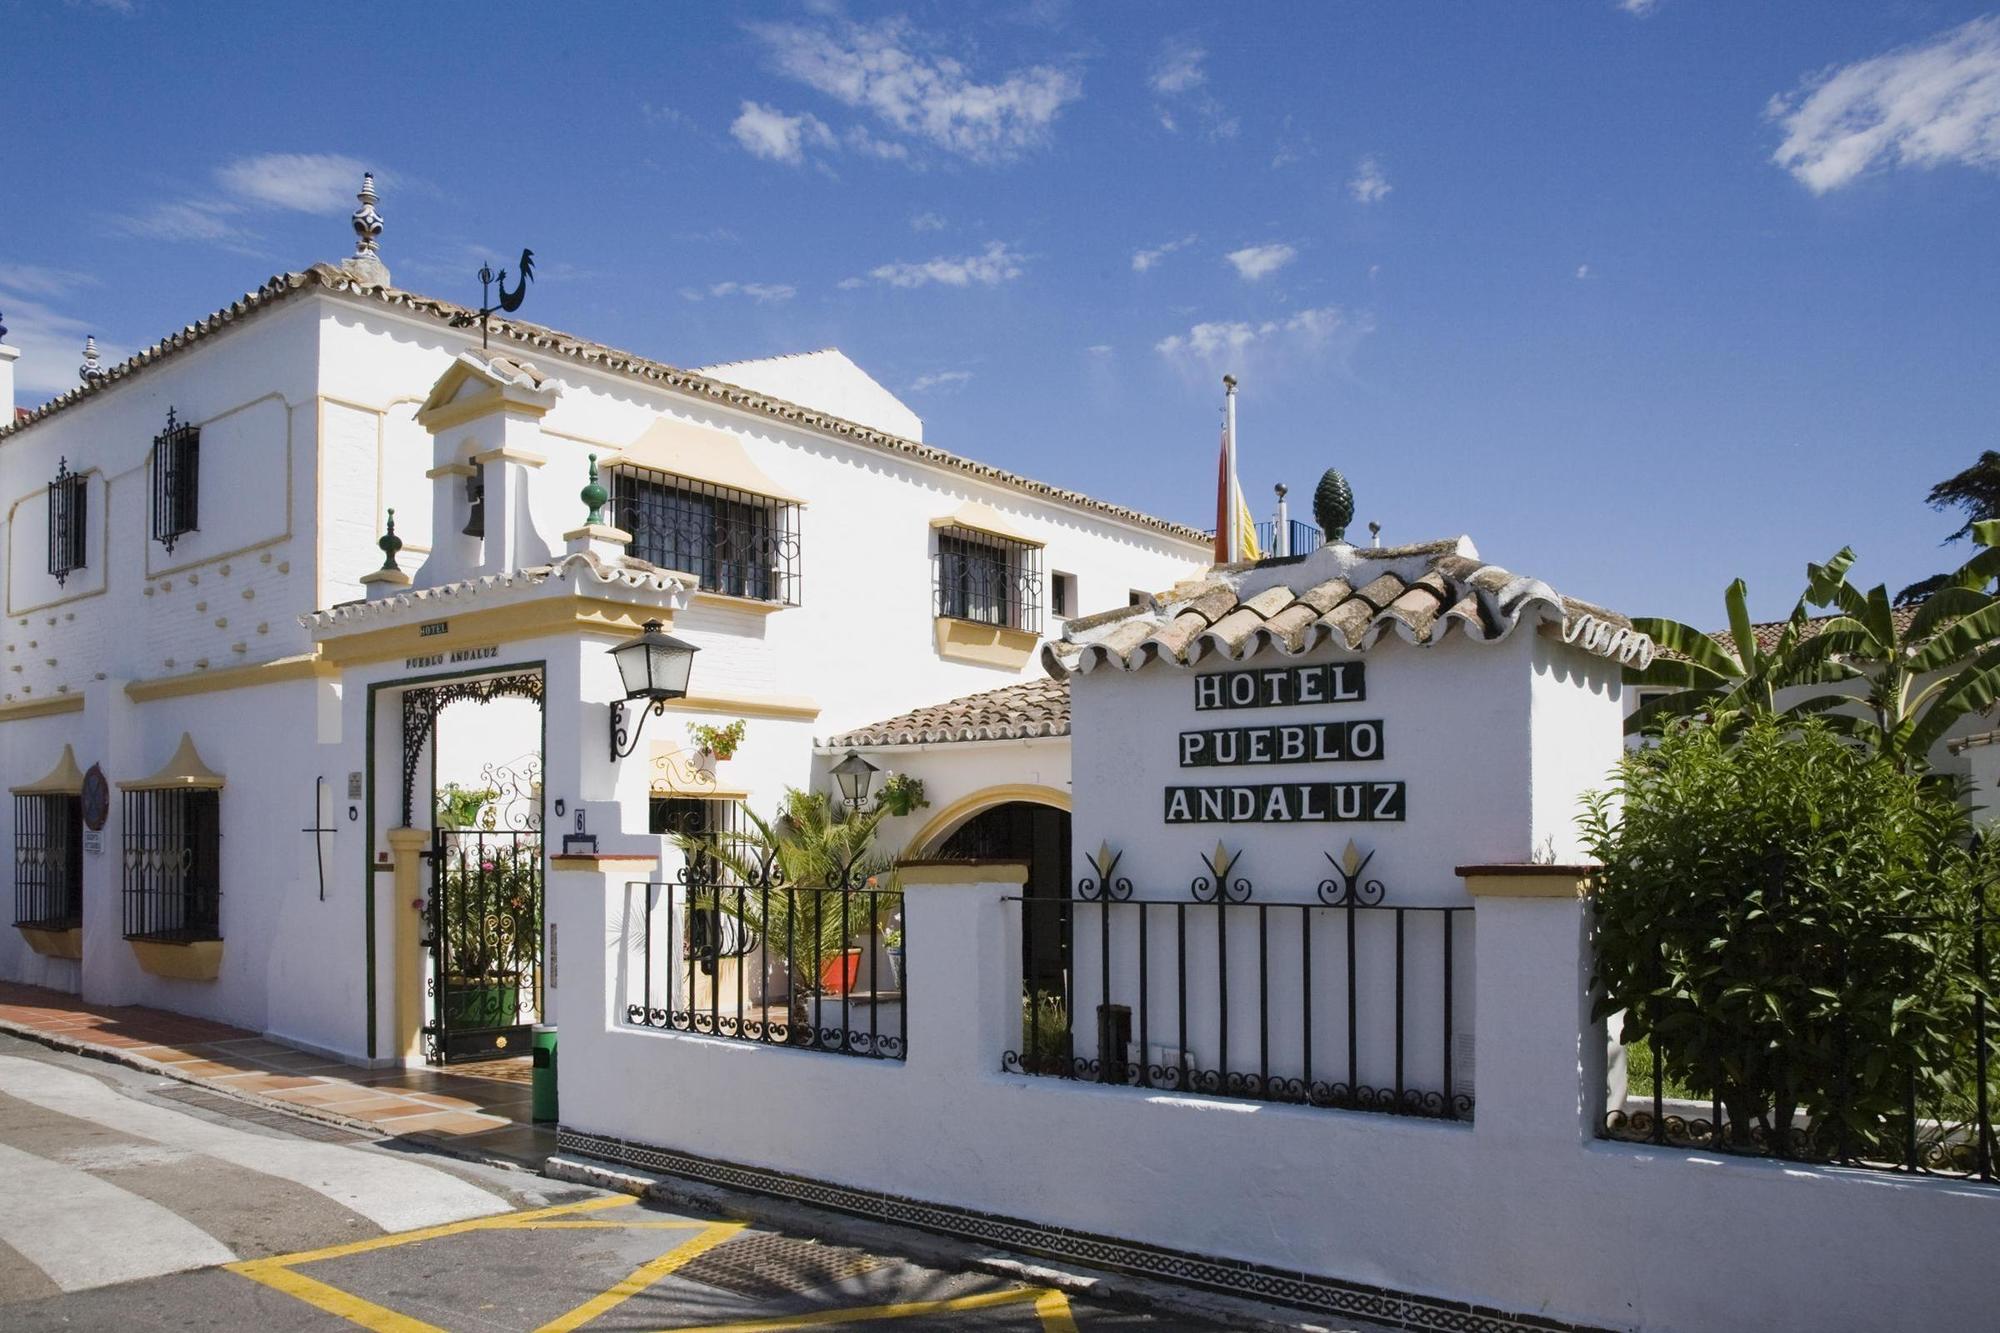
[(65, 779), (538, 618), (978, 516), (1527, 882), (440, 419), (290, 494), (946, 821), (723, 601), (506, 454), (103, 501), (27, 708), (200, 960), (275, 672), (601, 532), (981, 644), (184, 771), (984, 1300), (642, 1277), (784, 707), (942, 873), (452, 470), (54, 943), (594, 861), (406, 934)]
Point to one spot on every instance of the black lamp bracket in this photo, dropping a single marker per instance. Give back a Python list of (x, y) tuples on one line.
[(620, 745)]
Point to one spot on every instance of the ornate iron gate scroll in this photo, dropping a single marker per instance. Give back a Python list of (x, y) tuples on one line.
[(485, 909)]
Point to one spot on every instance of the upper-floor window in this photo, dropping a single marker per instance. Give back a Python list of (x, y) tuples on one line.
[(69, 495), (1062, 595), (173, 864), (988, 578), (176, 481), (731, 541), (48, 860)]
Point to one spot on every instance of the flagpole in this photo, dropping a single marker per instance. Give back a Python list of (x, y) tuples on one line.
[(1234, 521)]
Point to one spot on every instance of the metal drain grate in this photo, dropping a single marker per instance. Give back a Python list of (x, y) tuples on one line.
[(770, 1265), (297, 1126)]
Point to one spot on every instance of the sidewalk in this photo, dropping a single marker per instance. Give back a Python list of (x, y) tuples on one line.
[(478, 1110)]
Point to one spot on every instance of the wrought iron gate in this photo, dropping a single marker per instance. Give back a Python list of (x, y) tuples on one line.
[(484, 914)]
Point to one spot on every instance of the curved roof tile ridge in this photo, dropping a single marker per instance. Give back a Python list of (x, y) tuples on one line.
[(327, 277), (1349, 596)]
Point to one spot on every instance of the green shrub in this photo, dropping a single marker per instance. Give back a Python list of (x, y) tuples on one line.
[(1787, 921)]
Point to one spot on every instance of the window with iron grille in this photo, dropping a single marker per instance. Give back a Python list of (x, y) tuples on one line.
[(176, 481), (990, 579), (69, 495), (734, 542), (173, 861), (48, 861)]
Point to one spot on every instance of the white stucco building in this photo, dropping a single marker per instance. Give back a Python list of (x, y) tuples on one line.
[(205, 693)]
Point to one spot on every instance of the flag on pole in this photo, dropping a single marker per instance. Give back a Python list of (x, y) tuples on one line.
[(1235, 528)]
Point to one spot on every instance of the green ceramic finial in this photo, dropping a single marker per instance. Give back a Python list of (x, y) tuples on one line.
[(594, 496), (1333, 505), (390, 544)]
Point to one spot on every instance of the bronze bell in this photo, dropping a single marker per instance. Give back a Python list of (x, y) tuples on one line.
[(475, 497)]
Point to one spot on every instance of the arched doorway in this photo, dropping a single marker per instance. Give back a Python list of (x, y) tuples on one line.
[(1039, 835)]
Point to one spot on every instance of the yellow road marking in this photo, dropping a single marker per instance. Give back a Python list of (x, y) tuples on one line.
[(332, 1299), (642, 1277), (562, 1224), (902, 1310), (500, 1221), (1053, 1307)]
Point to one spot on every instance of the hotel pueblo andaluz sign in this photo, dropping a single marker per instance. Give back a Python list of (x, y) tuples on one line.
[(1337, 740)]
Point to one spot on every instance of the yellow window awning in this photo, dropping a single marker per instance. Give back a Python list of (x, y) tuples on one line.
[(700, 453), (184, 772), (985, 518), (65, 779)]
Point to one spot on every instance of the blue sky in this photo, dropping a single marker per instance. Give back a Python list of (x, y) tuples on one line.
[(1643, 296)]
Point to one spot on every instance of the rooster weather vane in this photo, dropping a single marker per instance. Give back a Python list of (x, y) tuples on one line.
[(509, 301)]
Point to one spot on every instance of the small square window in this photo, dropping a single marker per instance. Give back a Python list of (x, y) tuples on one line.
[(1062, 595)]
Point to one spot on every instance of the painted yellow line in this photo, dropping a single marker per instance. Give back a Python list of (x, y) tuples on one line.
[(501, 1221), (1053, 1307), (984, 1300), (331, 1299), (565, 1224), (642, 1277)]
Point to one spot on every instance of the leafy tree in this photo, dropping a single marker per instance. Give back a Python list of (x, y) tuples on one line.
[(1919, 678), (1729, 688), (1975, 491), (1785, 918)]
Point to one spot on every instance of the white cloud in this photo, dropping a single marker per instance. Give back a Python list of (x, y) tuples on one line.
[(927, 222), (302, 182), (1179, 68), (1180, 77), (1638, 9), (761, 292), (1099, 349), (1260, 261), (1583, 272), (1369, 185), (998, 263), (927, 96), (868, 144), (187, 220), (1145, 259), (666, 116), (1235, 344), (943, 379), (771, 134), (1922, 105), (50, 341)]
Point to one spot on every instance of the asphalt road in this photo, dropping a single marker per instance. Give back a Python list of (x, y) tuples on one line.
[(131, 1201)]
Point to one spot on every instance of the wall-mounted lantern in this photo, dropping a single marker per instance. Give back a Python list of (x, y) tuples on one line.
[(855, 776), (655, 667)]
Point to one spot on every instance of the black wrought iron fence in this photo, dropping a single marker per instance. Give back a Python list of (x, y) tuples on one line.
[(776, 964), (1346, 1001), (48, 861), (1923, 1104)]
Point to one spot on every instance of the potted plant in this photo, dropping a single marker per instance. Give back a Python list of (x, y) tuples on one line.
[(892, 944), (902, 794), (714, 745)]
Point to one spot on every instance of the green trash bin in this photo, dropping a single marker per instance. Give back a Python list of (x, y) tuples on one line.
[(545, 1074)]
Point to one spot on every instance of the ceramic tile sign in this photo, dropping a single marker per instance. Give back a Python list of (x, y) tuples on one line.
[(1332, 741)]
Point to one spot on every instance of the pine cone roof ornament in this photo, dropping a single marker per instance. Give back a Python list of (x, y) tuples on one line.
[(1333, 505)]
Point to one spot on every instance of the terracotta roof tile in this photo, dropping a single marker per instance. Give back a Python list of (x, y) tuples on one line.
[(537, 340), (1012, 712), (1345, 595)]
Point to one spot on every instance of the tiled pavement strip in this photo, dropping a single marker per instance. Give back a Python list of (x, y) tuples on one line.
[(475, 1110)]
